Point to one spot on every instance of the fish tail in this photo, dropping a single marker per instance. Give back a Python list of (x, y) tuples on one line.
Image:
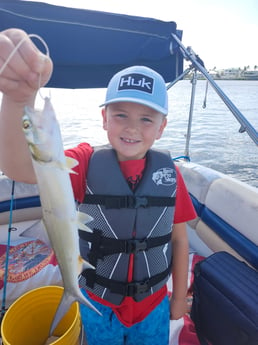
[(83, 300), (64, 305)]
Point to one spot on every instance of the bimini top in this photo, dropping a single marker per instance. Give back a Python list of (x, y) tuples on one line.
[(88, 47)]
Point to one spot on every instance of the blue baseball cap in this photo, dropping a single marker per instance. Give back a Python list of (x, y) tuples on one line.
[(138, 84)]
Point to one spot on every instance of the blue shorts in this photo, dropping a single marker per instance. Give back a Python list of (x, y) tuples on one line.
[(108, 330)]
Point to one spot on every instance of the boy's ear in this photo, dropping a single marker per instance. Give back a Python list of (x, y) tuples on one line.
[(162, 127), (104, 118)]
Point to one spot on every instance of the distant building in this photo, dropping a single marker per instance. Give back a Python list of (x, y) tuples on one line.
[(250, 75), (229, 73)]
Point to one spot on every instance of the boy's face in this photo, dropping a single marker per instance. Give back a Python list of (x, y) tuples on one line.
[(132, 128)]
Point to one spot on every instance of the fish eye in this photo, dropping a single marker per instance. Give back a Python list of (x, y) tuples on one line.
[(26, 124)]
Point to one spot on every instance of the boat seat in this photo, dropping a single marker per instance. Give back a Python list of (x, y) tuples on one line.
[(26, 203), (223, 204)]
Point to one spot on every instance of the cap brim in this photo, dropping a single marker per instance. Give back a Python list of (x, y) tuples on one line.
[(151, 105)]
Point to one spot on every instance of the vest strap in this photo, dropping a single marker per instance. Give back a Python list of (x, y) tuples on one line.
[(125, 289), (103, 246), (128, 201)]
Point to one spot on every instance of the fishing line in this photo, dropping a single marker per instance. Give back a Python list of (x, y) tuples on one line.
[(17, 48)]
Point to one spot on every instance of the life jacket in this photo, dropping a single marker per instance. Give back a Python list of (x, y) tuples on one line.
[(118, 213)]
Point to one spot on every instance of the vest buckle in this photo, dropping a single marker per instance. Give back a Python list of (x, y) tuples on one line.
[(136, 288), (134, 246), (140, 201), (135, 201)]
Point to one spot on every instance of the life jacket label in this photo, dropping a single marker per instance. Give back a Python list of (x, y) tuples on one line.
[(164, 177)]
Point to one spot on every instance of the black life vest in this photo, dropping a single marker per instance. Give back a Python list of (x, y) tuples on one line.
[(117, 212)]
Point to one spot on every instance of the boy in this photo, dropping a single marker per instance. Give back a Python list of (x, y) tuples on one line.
[(136, 196)]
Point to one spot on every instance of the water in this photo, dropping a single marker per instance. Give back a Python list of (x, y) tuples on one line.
[(215, 140)]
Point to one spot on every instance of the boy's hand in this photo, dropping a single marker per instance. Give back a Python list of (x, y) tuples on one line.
[(27, 68)]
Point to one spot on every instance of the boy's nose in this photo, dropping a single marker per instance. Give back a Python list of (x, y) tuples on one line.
[(132, 125)]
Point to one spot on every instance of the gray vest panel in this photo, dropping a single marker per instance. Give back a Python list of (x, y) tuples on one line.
[(105, 177)]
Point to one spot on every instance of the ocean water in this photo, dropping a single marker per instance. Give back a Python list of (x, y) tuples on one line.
[(215, 139)]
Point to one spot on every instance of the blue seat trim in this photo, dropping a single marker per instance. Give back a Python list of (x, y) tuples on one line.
[(241, 244), (18, 204), (197, 205)]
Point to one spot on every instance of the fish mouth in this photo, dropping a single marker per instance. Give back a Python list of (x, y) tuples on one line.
[(38, 155)]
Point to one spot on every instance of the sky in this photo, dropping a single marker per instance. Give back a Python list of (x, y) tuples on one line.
[(224, 33)]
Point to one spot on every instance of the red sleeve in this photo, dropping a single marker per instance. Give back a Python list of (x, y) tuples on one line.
[(82, 154), (184, 210)]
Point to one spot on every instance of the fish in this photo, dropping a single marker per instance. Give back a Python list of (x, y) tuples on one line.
[(59, 215)]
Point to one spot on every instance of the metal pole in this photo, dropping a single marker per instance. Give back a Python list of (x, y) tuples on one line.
[(245, 124), (190, 118), (172, 83)]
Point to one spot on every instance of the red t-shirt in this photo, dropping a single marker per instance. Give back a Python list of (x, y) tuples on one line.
[(129, 311)]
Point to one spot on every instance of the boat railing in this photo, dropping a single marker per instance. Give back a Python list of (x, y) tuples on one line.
[(197, 65)]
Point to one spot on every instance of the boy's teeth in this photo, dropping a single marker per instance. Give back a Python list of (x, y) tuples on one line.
[(129, 140)]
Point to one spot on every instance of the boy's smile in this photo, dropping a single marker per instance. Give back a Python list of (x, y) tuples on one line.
[(132, 128)]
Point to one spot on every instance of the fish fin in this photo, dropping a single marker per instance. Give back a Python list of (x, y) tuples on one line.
[(70, 164), (87, 265), (83, 227), (38, 231), (83, 218), (83, 265), (62, 166), (83, 300), (64, 305)]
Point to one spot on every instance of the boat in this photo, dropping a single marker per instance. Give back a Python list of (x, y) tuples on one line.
[(106, 43), (250, 75)]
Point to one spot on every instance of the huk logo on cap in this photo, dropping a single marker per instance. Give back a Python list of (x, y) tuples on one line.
[(136, 81)]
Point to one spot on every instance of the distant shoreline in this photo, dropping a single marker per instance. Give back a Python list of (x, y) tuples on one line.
[(230, 74), (201, 77)]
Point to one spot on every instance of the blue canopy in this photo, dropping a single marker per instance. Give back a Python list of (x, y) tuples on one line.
[(88, 47)]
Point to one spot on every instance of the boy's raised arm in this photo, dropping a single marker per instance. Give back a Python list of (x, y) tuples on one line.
[(19, 83)]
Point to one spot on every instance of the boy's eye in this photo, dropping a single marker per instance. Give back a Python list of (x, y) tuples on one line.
[(121, 115), (146, 119)]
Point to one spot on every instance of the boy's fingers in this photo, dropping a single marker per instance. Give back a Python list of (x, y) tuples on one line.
[(16, 63), (28, 62)]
